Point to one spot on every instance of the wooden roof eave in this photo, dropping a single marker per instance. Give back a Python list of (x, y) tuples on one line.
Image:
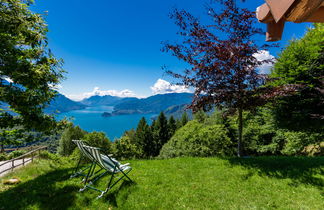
[(274, 29), (279, 8), (289, 10), (302, 10), (317, 17)]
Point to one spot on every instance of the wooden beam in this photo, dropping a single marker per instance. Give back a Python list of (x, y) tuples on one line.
[(317, 17), (303, 10), (274, 30)]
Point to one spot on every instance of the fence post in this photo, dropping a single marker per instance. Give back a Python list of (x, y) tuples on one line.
[(23, 161), (32, 156), (12, 164)]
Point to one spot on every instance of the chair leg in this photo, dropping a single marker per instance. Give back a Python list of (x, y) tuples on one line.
[(90, 181), (93, 165), (78, 172), (111, 185), (108, 187), (76, 168), (125, 174)]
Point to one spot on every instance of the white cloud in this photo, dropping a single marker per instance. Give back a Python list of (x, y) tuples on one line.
[(161, 86), (98, 92), (261, 56), (55, 87), (7, 79)]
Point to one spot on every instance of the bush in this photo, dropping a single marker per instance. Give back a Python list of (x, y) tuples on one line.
[(76, 155), (47, 155), (16, 153), (314, 149), (3, 156), (66, 146), (123, 148), (258, 133), (196, 139), (295, 142), (98, 139)]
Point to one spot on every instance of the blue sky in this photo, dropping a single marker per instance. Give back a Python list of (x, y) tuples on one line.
[(113, 47)]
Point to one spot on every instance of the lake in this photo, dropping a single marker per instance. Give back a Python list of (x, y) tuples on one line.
[(90, 119)]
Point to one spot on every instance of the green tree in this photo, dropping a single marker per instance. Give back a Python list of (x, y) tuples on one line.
[(160, 133), (123, 148), (28, 70), (98, 139), (184, 119), (302, 64), (9, 136), (140, 132), (200, 116), (66, 146), (172, 126), (143, 138)]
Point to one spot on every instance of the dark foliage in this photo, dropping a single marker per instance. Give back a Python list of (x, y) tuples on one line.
[(302, 64), (144, 138)]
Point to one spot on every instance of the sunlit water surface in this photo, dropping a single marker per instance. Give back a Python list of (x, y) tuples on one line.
[(90, 119)]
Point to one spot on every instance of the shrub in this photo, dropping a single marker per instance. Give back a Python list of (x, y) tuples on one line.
[(314, 149), (259, 132), (98, 139), (123, 148), (76, 155), (295, 142), (66, 146), (196, 139), (47, 155), (16, 153), (3, 156)]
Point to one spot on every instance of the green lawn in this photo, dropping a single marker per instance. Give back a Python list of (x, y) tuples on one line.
[(181, 183)]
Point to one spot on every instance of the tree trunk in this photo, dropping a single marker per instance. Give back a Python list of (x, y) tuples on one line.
[(240, 131)]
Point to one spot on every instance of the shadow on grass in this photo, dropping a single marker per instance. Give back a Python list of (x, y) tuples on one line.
[(41, 192), (122, 192), (301, 170)]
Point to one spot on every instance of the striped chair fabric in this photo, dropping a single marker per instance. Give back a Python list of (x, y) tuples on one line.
[(111, 164), (80, 145)]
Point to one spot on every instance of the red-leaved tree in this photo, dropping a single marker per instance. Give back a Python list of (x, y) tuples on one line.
[(221, 55)]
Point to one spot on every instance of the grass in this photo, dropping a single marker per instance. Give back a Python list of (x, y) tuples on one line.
[(181, 183)]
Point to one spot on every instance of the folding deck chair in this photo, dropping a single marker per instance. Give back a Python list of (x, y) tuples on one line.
[(106, 163), (84, 155)]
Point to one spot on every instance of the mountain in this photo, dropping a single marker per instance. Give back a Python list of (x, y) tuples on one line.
[(100, 100), (152, 104), (62, 104), (124, 106), (105, 100), (177, 110)]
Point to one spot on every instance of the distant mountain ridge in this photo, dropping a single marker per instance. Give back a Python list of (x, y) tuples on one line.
[(153, 104), (177, 110), (106, 100), (61, 103), (171, 103)]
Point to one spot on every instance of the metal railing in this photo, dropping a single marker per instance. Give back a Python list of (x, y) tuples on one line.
[(25, 158)]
